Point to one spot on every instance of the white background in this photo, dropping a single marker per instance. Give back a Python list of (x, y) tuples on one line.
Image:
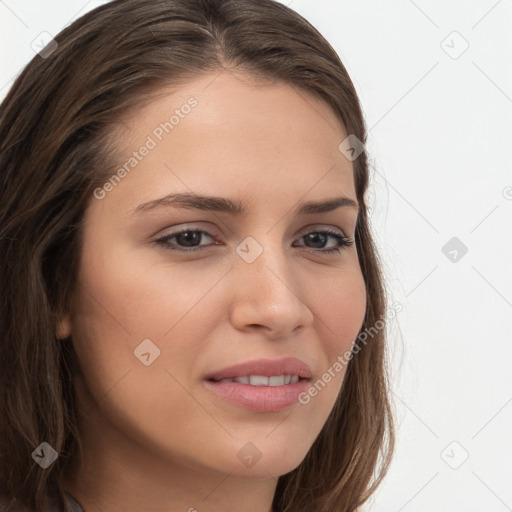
[(440, 139)]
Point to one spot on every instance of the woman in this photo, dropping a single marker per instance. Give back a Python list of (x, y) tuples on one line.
[(188, 268)]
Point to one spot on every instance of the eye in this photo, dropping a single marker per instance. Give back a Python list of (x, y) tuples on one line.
[(188, 237), (188, 240), (322, 236)]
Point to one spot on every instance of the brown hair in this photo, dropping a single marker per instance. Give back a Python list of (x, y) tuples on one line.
[(56, 148)]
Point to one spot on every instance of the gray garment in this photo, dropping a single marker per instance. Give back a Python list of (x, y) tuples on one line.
[(74, 505)]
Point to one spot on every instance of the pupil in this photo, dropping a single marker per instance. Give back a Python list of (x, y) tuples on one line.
[(190, 236), (317, 238)]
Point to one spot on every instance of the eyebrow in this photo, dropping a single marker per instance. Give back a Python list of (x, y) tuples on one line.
[(237, 208)]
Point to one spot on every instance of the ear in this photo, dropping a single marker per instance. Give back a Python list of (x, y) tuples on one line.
[(63, 330)]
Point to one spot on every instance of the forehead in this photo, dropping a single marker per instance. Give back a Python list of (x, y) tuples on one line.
[(225, 131)]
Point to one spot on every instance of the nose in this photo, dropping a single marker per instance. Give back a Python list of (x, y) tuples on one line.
[(268, 295)]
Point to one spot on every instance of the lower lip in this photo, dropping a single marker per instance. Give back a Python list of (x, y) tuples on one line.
[(259, 398)]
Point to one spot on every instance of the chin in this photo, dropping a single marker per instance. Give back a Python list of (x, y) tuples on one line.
[(264, 459)]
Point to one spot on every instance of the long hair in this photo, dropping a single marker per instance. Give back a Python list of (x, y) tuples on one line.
[(56, 147)]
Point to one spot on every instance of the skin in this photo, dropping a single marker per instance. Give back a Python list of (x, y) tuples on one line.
[(154, 438)]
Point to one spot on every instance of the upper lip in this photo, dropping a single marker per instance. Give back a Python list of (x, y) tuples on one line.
[(264, 367)]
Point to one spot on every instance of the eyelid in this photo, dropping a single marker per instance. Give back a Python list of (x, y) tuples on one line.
[(305, 230), (323, 227)]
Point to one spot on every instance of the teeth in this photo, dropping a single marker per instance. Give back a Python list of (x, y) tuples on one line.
[(261, 380), (276, 381), (258, 380)]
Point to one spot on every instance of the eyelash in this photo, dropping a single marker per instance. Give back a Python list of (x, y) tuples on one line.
[(344, 241)]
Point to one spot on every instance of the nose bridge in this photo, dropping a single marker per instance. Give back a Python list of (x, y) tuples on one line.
[(263, 261)]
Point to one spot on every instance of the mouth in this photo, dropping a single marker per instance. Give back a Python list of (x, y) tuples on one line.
[(255, 371), (262, 380), (262, 386)]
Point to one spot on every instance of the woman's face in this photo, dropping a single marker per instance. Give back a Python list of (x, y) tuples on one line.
[(152, 323)]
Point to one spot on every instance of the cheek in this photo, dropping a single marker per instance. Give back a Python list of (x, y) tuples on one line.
[(124, 299), (129, 293), (341, 307), (118, 307)]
